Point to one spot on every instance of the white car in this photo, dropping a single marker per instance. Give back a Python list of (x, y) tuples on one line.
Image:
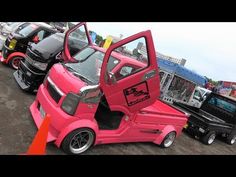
[(199, 95), (10, 27)]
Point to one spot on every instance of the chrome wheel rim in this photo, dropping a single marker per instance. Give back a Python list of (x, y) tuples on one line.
[(233, 140), (81, 141), (169, 139), (211, 138), (16, 62)]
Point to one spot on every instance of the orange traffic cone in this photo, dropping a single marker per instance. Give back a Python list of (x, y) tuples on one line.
[(38, 146)]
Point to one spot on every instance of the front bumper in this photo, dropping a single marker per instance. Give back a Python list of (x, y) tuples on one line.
[(58, 119), (28, 79)]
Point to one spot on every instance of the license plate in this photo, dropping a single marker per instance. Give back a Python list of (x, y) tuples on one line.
[(42, 112), (186, 126)]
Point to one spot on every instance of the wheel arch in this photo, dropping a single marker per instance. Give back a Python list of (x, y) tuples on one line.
[(74, 126), (14, 54), (165, 131)]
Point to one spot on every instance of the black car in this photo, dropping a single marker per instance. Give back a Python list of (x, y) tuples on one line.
[(16, 44), (216, 117), (38, 61)]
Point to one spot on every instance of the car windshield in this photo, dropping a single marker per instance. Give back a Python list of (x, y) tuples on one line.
[(52, 43), (27, 30), (89, 64)]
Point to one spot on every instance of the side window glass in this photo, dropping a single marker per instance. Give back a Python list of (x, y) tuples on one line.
[(40, 35), (134, 53), (77, 40), (123, 72)]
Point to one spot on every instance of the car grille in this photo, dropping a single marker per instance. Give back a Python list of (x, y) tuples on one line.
[(31, 55), (53, 92)]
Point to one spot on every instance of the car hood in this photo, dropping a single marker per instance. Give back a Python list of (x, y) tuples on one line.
[(65, 80), (43, 52)]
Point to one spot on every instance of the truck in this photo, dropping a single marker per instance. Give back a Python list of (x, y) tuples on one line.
[(179, 83), (215, 117), (101, 96), (199, 96)]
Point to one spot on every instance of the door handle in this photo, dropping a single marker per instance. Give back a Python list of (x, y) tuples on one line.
[(149, 74)]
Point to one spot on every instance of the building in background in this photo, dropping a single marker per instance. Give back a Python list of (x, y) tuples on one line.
[(142, 48), (177, 83)]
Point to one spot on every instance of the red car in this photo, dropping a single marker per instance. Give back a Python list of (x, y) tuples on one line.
[(105, 96)]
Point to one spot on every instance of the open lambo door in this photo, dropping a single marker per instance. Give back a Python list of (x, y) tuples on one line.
[(135, 84), (76, 39)]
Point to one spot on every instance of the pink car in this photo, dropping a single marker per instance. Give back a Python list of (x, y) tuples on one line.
[(105, 96)]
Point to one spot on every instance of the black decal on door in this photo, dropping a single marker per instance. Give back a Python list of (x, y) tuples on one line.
[(136, 93)]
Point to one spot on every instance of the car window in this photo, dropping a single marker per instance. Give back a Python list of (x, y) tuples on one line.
[(27, 30), (197, 93), (135, 53), (125, 71)]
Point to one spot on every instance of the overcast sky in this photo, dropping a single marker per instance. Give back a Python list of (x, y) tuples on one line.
[(209, 48)]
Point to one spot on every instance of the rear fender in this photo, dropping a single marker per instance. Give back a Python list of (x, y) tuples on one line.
[(165, 131), (14, 55), (75, 125)]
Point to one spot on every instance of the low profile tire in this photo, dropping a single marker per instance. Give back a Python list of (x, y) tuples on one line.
[(15, 62), (78, 141), (168, 140), (231, 139), (209, 138)]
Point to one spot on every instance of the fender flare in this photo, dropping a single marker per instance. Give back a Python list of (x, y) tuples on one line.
[(75, 125), (14, 54), (165, 131)]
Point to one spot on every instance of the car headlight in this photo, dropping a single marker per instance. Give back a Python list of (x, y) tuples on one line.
[(70, 103), (39, 65), (12, 44)]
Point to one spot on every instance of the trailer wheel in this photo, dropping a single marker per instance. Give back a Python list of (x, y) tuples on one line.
[(78, 141), (168, 140), (231, 139), (209, 138), (15, 62)]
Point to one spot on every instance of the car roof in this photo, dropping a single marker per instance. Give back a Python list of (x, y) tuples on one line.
[(44, 25)]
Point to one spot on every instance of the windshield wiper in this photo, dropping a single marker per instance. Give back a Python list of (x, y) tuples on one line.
[(81, 77)]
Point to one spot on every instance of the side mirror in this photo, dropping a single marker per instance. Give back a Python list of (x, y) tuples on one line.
[(59, 57), (111, 79), (36, 39)]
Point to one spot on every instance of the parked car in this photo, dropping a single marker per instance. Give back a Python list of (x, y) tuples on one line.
[(16, 44), (38, 60), (102, 96), (8, 28), (199, 96), (216, 117)]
